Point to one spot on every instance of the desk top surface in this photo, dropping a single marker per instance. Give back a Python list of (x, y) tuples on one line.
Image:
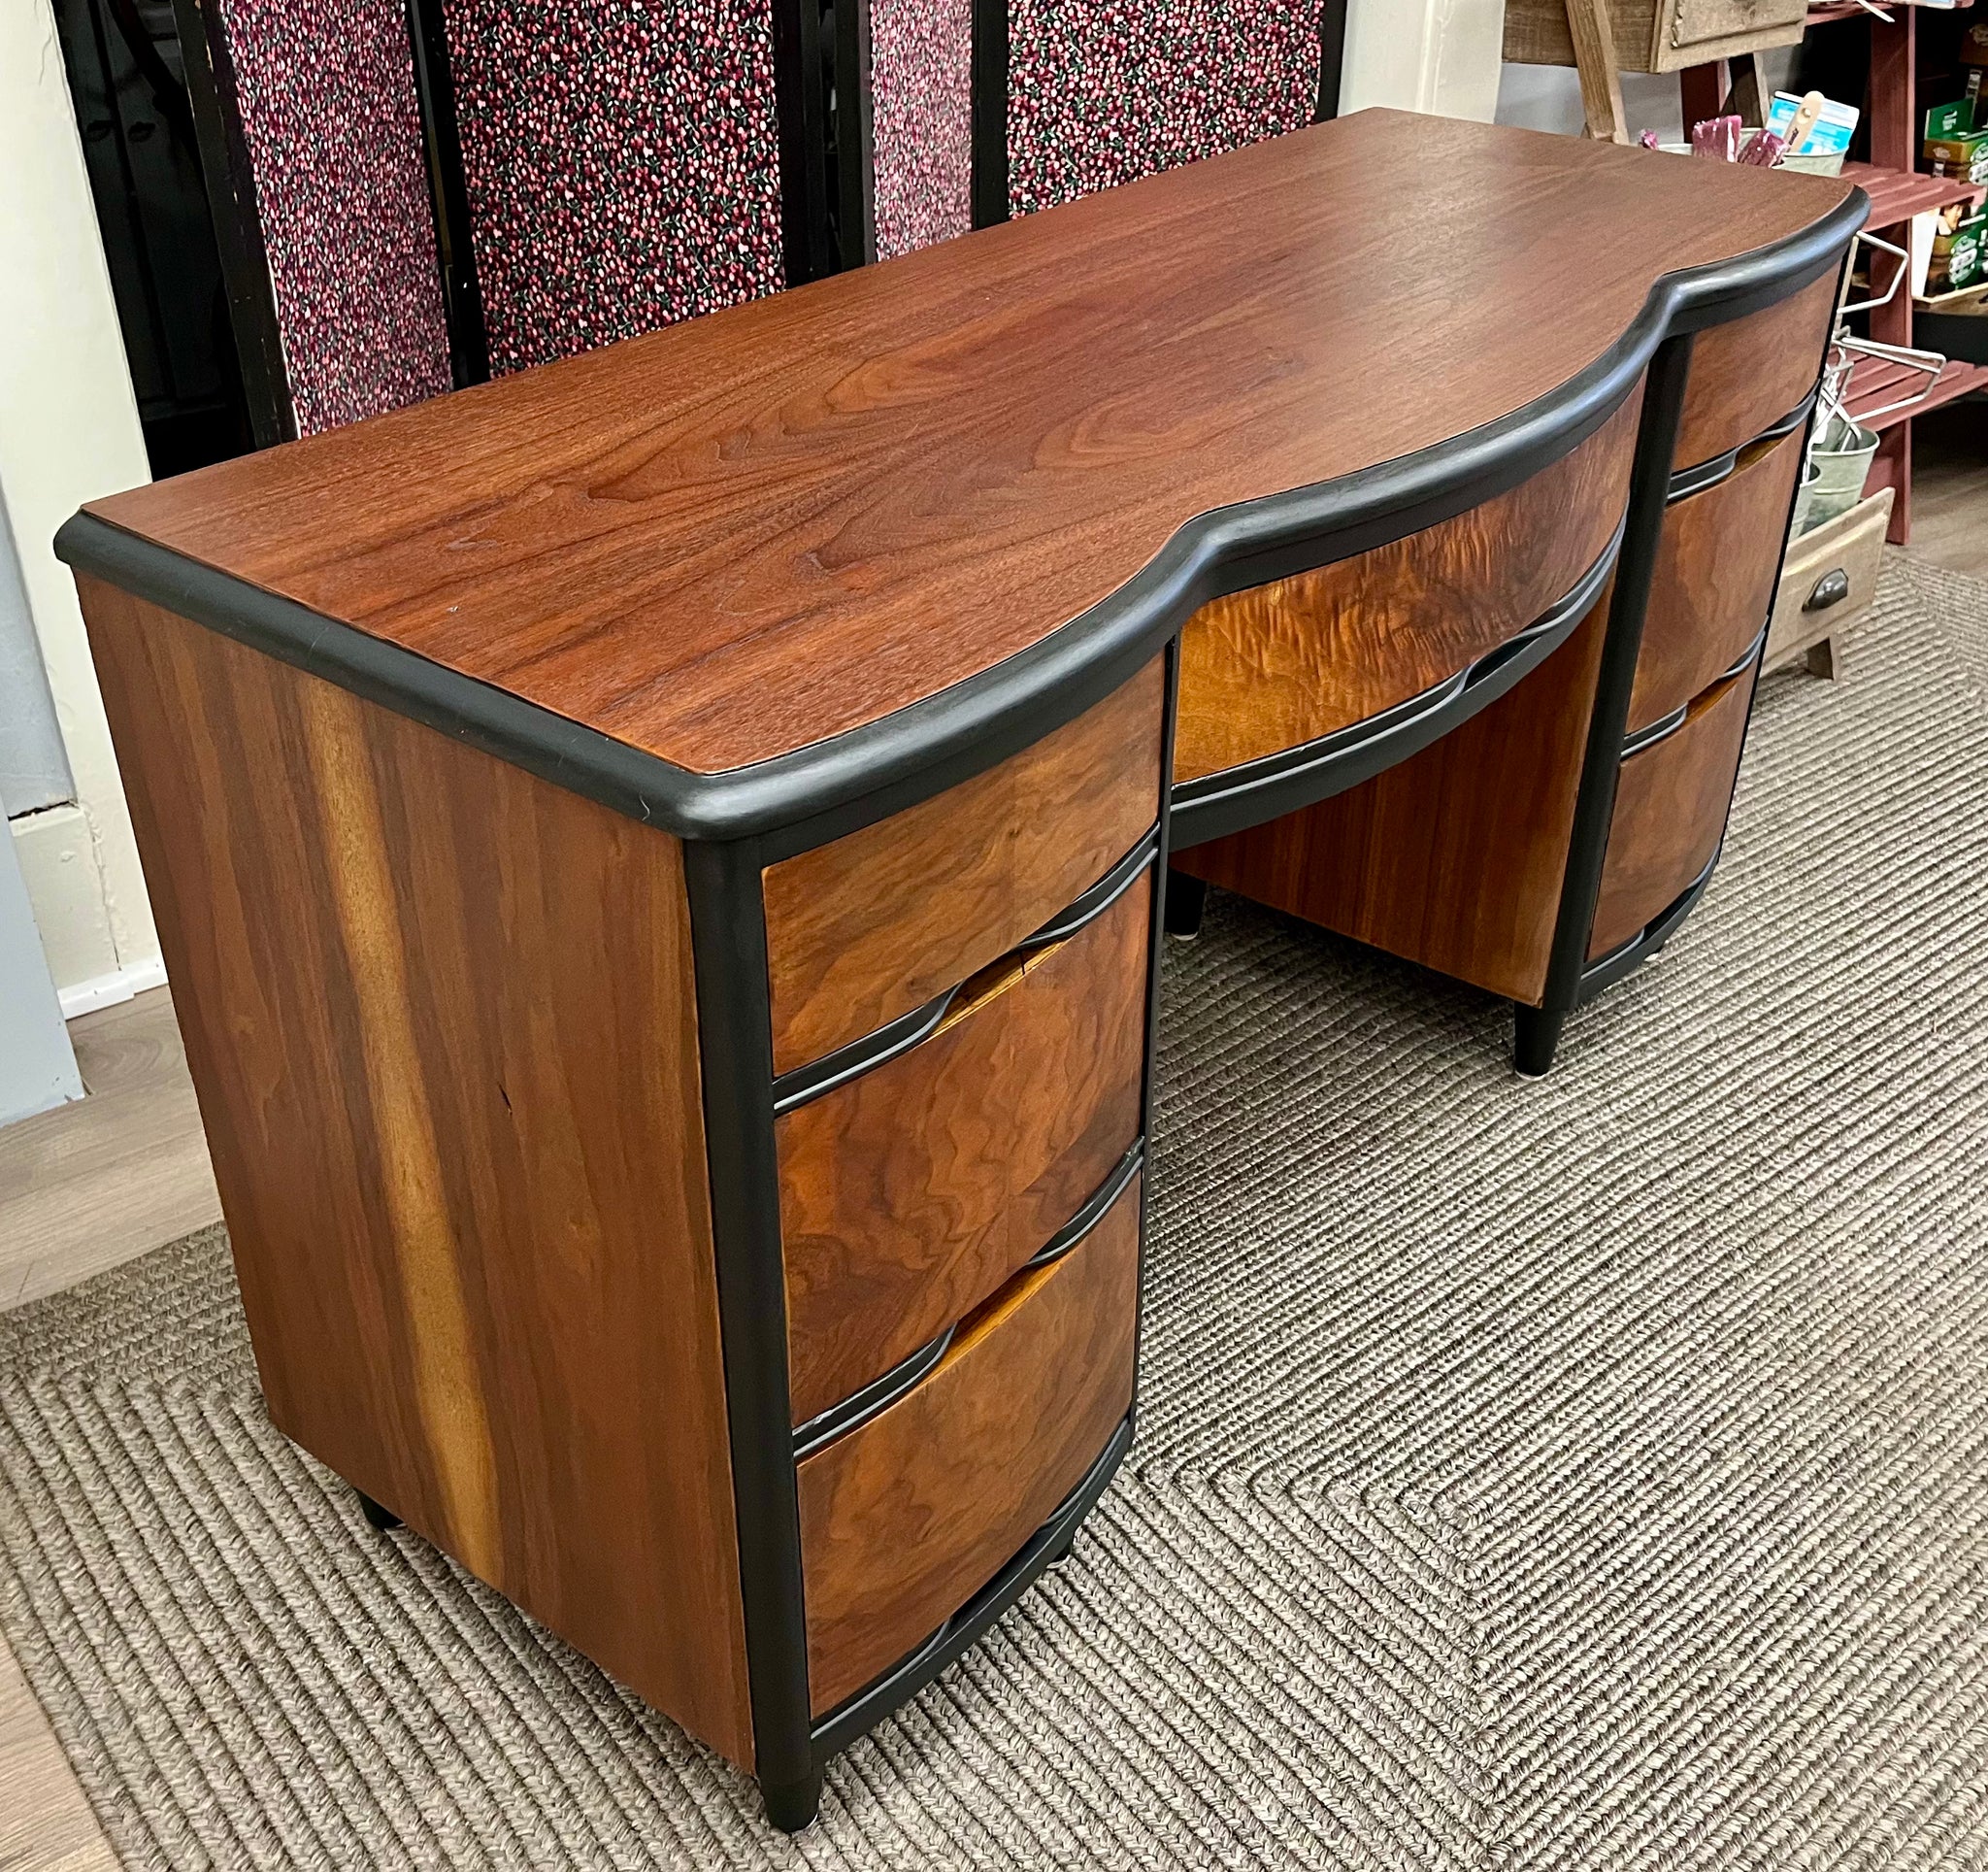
[(744, 534)]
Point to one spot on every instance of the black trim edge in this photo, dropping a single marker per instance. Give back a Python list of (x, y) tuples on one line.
[(1607, 970), (868, 1706), (801, 1084), (1096, 1207), (1746, 655), (1695, 480), (873, 1400), (867, 773), (1661, 729), (905, 1377), (735, 1057), (1666, 726), (1099, 897), (1244, 795)]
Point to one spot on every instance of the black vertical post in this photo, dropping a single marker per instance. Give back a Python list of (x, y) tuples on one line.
[(230, 181), (455, 254), (800, 93), (990, 112), (1594, 807), (735, 1028), (855, 138), (1332, 58)]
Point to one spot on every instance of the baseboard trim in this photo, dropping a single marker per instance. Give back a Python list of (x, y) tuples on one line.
[(108, 991)]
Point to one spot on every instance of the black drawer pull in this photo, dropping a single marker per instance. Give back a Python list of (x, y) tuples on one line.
[(1832, 589)]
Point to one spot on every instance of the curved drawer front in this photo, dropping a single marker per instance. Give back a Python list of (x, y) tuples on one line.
[(911, 1193), (1714, 580), (907, 1516), (1283, 664), (1748, 374), (872, 926), (1670, 813)]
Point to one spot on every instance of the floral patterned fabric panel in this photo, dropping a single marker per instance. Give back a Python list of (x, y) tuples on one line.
[(1103, 91), (325, 90), (623, 164), (921, 105)]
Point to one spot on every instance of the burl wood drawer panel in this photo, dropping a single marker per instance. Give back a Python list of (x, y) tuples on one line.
[(1283, 664), (1671, 806), (1714, 580), (877, 923), (1748, 374), (909, 1515), (910, 1195)]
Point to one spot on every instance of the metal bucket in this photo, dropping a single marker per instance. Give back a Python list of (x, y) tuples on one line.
[(1839, 462)]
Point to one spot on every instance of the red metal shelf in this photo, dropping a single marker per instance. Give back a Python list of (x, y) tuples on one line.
[(1898, 194), (1876, 381)]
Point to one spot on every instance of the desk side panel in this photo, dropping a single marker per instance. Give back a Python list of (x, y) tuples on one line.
[(441, 1021)]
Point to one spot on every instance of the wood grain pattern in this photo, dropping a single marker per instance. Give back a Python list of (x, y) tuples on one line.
[(906, 1518), (874, 924), (1454, 857), (1715, 581), (440, 1019), (1749, 373), (909, 1195), (750, 532), (1655, 35), (1283, 664), (1671, 814)]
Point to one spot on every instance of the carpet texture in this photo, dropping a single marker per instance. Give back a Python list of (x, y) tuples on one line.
[(1581, 1474)]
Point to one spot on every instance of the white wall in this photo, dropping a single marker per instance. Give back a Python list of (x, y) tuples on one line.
[(37, 1068), (34, 769), (1435, 56), (68, 432)]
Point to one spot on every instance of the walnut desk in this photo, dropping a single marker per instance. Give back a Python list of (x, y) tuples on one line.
[(660, 857)]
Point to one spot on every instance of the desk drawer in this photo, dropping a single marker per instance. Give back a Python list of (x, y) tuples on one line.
[(911, 1193), (1748, 374), (1714, 580), (904, 1519), (1275, 666), (872, 926), (1829, 580), (1671, 814)]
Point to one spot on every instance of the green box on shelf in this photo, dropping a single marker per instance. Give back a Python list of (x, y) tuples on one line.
[(1953, 146), (1960, 257)]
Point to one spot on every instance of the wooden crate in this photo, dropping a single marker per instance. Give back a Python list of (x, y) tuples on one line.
[(1852, 546), (1656, 35)]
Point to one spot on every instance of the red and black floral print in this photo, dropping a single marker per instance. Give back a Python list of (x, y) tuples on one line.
[(623, 164), (921, 85), (1103, 91), (326, 95)]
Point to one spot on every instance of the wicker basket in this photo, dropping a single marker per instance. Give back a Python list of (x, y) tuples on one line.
[(1656, 35)]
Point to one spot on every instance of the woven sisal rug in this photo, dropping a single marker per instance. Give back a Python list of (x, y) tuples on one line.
[(1583, 1474)]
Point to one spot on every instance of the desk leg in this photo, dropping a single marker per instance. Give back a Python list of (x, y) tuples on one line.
[(1186, 899)]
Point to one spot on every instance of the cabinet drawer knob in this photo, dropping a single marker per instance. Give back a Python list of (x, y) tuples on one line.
[(1832, 589)]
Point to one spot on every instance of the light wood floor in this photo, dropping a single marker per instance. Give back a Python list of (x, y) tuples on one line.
[(91, 1184), (1950, 487)]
